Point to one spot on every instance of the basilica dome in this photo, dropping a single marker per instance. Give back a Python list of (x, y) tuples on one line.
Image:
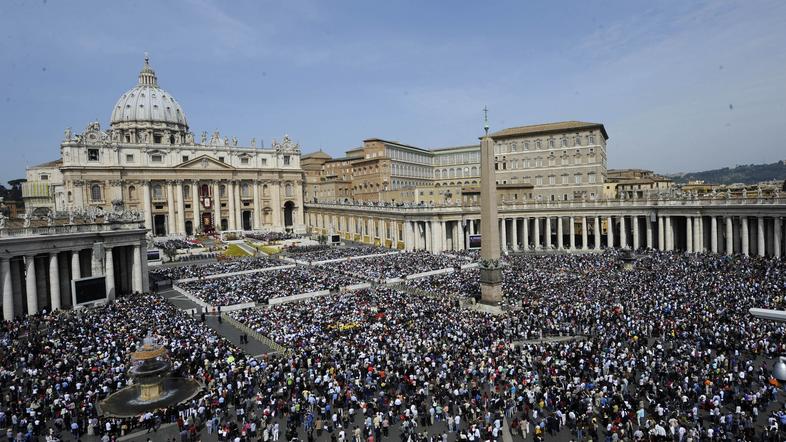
[(148, 106)]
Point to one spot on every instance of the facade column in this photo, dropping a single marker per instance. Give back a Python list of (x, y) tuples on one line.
[(547, 220), (514, 237), (238, 215), (8, 289), (661, 230), (109, 273), (761, 248), (171, 222), (689, 234), (146, 209), (216, 207), (610, 232), (230, 186), (729, 236), (30, 285), (636, 242), (571, 236), (560, 241), (536, 238), (181, 208), (54, 282), (257, 206), (408, 237), (136, 282), (428, 238), (623, 233), (596, 231), (584, 237), (197, 220), (698, 240), (76, 271), (777, 237), (503, 233), (714, 234), (525, 233), (744, 235)]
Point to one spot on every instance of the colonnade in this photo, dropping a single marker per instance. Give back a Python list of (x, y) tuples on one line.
[(34, 281), (758, 234)]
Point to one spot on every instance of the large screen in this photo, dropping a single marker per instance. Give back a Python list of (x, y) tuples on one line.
[(88, 290), (153, 255), (335, 239), (474, 241)]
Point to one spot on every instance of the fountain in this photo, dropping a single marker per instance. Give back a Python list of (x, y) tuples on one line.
[(153, 386)]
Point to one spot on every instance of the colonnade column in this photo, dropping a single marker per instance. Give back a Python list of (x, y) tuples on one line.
[(216, 207), (8, 294), (514, 238), (146, 205), (171, 222), (548, 232), (54, 282), (650, 240), (30, 285), (503, 235), (623, 233), (136, 282), (181, 208), (713, 234), (196, 221), (428, 238), (698, 240), (230, 186), (109, 273), (669, 235), (525, 233), (596, 232), (689, 234), (409, 239), (777, 237), (571, 229), (744, 235), (76, 271), (661, 233), (536, 239), (257, 206), (761, 248), (610, 232), (584, 238), (729, 236), (559, 233), (635, 221)]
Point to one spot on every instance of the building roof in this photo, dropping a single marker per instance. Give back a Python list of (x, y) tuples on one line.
[(318, 154), (535, 129), (395, 143), (469, 146), (55, 163)]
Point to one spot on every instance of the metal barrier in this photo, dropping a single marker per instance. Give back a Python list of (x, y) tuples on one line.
[(256, 335)]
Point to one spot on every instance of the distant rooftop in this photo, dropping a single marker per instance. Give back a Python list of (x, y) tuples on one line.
[(535, 129)]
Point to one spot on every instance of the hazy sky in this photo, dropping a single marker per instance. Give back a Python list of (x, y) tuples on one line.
[(680, 85)]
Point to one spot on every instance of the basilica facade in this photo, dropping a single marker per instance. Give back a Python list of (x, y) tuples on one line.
[(148, 160)]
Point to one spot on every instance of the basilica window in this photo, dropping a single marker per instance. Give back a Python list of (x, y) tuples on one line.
[(95, 192), (92, 154), (245, 189), (186, 191), (156, 158), (129, 158), (132, 192), (158, 192), (244, 160), (286, 160), (185, 158), (288, 190), (222, 191)]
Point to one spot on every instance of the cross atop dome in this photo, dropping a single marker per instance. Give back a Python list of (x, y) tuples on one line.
[(147, 76)]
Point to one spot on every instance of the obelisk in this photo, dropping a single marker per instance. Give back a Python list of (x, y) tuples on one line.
[(490, 270)]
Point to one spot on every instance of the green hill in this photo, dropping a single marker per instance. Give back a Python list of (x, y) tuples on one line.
[(747, 174)]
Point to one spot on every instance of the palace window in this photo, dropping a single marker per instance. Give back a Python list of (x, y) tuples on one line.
[(552, 180), (539, 180), (551, 143), (577, 178), (591, 139), (95, 192), (92, 154), (44, 177), (564, 142), (591, 178)]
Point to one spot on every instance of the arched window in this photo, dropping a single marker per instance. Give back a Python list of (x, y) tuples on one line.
[(222, 190), (244, 190), (186, 191), (288, 190), (265, 190), (132, 192), (205, 190), (95, 192)]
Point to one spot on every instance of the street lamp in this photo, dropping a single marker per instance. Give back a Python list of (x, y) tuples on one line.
[(779, 368)]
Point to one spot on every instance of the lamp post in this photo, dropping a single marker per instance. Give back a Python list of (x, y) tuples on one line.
[(779, 368)]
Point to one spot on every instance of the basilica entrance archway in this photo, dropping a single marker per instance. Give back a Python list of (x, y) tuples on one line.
[(289, 207)]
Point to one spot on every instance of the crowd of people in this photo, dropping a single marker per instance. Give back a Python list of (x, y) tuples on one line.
[(270, 236), (261, 286), (176, 243), (665, 352), (325, 252), (399, 265), (224, 266)]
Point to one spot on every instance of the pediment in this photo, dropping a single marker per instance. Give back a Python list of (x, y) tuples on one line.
[(204, 162)]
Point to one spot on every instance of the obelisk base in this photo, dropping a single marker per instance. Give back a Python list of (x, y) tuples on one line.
[(491, 285)]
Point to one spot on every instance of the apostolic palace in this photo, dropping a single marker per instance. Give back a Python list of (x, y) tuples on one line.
[(93, 210)]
